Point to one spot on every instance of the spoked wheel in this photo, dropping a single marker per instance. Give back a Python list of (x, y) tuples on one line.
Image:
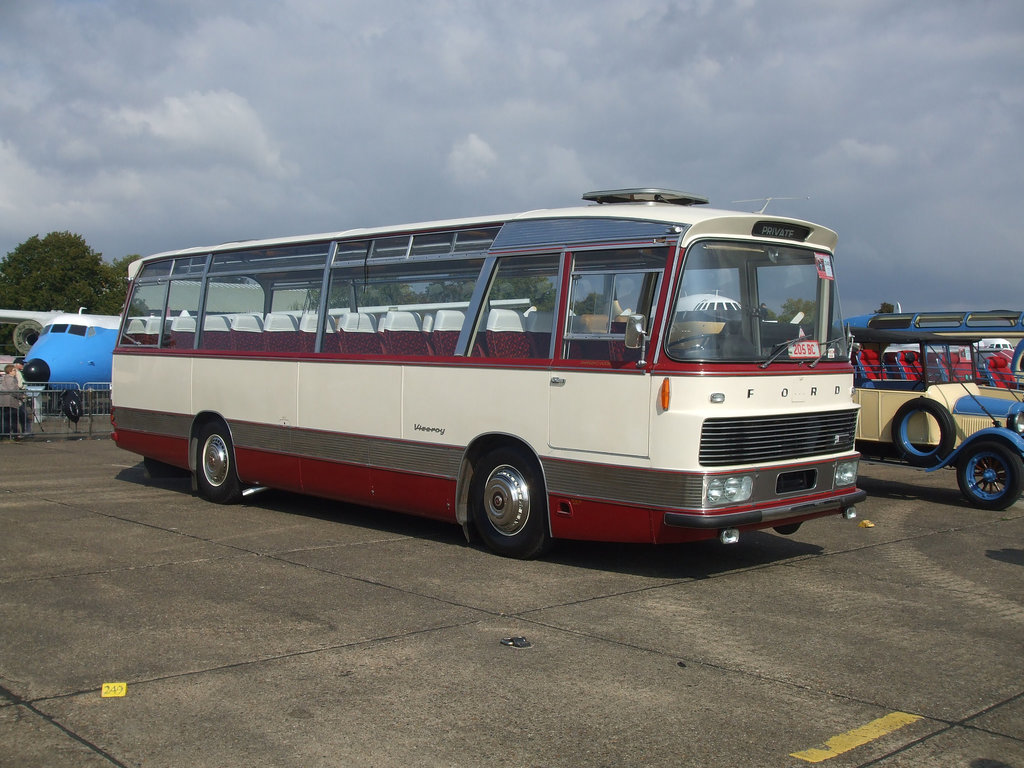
[(990, 475), (216, 477), (508, 504)]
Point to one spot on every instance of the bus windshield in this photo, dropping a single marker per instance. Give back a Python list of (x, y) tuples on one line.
[(753, 302)]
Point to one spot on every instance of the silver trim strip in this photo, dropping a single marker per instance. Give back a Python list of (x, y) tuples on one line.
[(633, 486)]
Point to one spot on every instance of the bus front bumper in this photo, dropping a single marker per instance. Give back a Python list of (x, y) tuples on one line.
[(707, 521)]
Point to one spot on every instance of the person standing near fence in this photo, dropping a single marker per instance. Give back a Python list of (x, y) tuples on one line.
[(25, 414), (10, 400)]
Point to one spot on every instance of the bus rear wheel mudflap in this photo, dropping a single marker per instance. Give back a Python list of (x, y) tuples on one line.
[(216, 477), (508, 503), (990, 474)]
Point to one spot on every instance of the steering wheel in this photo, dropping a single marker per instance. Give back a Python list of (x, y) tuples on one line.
[(690, 343)]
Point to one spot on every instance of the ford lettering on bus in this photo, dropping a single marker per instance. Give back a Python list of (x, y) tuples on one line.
[(643, 368)]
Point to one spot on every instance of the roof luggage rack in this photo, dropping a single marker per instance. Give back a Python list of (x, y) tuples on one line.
[(645, 195)]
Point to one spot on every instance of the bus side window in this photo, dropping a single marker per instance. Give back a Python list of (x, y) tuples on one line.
[(606, 289), (228, 298), (142, 327), (516, 321), (412, 308), (182, 311)]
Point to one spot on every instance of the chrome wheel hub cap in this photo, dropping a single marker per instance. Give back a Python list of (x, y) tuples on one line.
[(215, 460), (507, 499)]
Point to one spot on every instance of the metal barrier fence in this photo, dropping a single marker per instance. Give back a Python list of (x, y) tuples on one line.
[(64, 411)]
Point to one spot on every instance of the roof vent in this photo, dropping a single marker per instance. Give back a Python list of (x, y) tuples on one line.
[(645, 195)]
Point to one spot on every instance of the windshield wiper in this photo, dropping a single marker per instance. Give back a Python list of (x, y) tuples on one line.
[(778, 349), (824, 349)]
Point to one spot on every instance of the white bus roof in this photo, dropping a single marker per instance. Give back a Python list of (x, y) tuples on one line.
[(682, 211)]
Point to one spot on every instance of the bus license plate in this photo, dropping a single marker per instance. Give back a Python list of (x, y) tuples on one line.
[(802, 350)]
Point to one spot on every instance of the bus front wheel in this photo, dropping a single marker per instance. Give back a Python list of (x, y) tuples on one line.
[(216, 478), (508, 504)]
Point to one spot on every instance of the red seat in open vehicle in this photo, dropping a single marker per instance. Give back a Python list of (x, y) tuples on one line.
[(999, 370), (868, 364), (909, 365)]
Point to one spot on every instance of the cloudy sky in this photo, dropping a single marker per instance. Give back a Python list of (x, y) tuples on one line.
[(147, 126)]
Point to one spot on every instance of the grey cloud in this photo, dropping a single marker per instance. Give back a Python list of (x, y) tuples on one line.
[(158, 125)]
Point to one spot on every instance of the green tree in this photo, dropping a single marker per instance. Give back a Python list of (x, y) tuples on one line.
[(60, 272), (793, 306), (115, 287), (885, 309)]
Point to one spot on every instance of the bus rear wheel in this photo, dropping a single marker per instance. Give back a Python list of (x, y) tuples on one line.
[(216, 478), (508, 504)]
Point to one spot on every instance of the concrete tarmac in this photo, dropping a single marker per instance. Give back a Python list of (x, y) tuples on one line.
[(290, 631)]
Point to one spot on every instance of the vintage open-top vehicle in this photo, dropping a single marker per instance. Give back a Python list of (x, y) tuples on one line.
[(930, 400)]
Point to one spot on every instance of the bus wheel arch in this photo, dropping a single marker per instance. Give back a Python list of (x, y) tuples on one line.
[(212, 460), (501, 496)]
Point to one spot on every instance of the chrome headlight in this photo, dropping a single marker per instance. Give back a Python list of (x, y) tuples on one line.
[(1015, 422), (730, 489), (846, 472)]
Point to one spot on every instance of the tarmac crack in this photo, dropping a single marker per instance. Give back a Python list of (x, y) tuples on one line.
[(18, 701), (15, 699), (949, 725)]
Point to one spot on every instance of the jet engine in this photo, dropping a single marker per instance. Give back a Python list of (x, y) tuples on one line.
[(25, 334)]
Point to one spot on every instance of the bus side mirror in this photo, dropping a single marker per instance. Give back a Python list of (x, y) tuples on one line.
[(635, 335)]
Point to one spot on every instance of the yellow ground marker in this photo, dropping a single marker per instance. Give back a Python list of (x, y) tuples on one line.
[(844, 742), (115, 690)]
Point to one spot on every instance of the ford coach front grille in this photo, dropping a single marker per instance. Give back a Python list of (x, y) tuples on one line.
[(775, 438)]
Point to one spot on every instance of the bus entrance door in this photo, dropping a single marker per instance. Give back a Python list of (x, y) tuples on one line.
[(600, 412)]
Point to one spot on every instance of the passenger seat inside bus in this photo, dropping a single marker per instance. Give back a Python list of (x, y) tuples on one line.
[(505, 335), (216, 332), (403, 334), (357, 334), (445, 335), (538, 332), (183, 332), (246, 333), (280, 332), (307, 332), (144, 330)]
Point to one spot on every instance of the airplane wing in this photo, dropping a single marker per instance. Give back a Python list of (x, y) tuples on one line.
[(29, 326), (20, 315)]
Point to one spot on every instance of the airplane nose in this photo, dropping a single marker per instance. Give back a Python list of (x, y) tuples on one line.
[(36, 371)]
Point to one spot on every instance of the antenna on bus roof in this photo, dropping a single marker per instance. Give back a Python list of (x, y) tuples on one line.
[(767, 200), (645, 195)]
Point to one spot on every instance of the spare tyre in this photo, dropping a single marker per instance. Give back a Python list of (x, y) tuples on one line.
[(923, 454), (71, 405)]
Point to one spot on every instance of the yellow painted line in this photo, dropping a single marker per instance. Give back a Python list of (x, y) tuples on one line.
[(844, 742)]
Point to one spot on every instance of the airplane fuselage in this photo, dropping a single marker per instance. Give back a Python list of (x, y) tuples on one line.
[(73, 349)]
